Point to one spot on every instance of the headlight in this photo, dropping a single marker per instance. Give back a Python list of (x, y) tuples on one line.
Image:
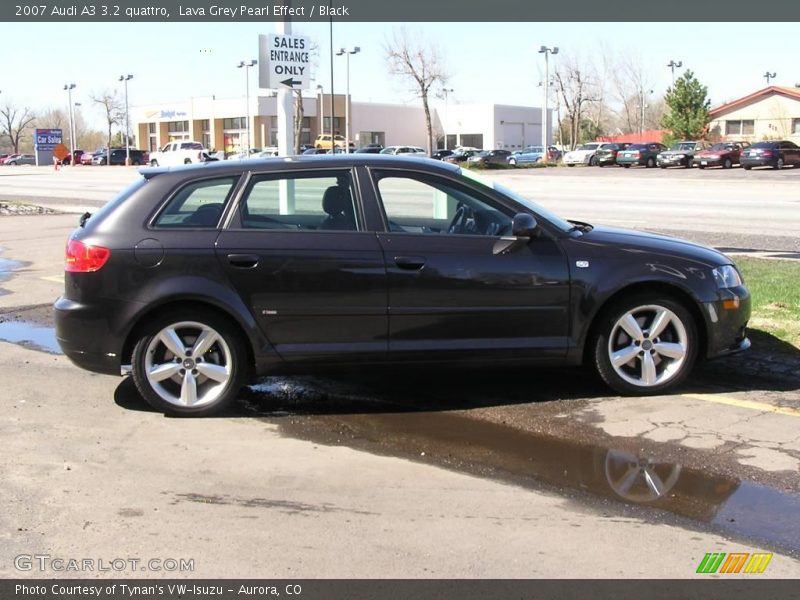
[(680, 155), (727, 276)]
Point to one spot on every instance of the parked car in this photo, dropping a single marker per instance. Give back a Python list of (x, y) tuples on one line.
[(403, 150), (607, 153), (460, 155), (119, 155), (640, 154), (88, 157), (680, 154), (68, 160), (583, 155), (316, 151), (528, 156), (722, 154), (490, 157), (8, 157), (324, 141), (441, 154), (775, 154), (21, 159), (370, 149), (192, 288), (178, 152), (3, 158), (554, 154)]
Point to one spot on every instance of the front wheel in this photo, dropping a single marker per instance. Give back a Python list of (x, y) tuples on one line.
[(592, 161), (779, 163), (512, 162), (189, 363), (154, 163), (727, 164), (650, 163), (645, 345)]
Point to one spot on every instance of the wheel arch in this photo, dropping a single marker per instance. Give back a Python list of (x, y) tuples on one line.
[(187, 304), (671, 291)]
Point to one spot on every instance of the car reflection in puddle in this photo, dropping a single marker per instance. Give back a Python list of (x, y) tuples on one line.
[(322, 412)]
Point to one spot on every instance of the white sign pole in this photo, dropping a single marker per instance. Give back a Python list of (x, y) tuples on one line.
[(286, 195)]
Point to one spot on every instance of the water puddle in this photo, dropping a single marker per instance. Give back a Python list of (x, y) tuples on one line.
[(460, 440), (30, 335)]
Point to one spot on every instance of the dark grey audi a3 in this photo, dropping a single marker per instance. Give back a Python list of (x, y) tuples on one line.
[(195, 279)]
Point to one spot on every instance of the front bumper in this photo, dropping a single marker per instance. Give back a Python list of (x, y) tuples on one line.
[(672, 161), (703, 161), (727, 327)]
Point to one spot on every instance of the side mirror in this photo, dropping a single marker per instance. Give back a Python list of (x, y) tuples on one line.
[(524, 225)]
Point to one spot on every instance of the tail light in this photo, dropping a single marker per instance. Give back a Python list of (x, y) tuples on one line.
[(636, 153), (766, 153), (83, 258)]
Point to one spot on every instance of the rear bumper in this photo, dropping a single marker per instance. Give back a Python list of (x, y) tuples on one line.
[(757, 162), (84, 335)]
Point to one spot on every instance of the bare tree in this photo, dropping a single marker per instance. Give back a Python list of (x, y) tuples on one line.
[(419, 62), (114, 108), (633, 91), (52, 118), (14, 122), (576, 84)]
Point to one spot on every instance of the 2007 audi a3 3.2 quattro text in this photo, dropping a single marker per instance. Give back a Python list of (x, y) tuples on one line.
[(195, 279)]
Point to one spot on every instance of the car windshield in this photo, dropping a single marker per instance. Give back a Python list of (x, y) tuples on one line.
[(589, 147), (552, 218), (683, 146)]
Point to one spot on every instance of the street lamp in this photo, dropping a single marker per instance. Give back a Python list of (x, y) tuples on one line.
[(246, 66), (446, 92), (641, 123), (126, 79), (68, 87), (321, 109), (546, 51), (346, 53), (769, 76), (674, 65)]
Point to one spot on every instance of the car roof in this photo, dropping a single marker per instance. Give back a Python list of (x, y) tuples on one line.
[(278, 163)]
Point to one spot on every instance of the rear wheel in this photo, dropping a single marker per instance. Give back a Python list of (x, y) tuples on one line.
[(627, 166), (746, 167), (189, 363), (592, 161), (154, 163), (779, 163), (645, 345), (727, 164), (512, 162), (187, 161), (650, 163)]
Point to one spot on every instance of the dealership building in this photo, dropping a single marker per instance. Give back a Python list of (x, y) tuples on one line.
[(770, 113), (221, 124)]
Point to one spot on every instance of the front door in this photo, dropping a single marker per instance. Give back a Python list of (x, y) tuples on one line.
[(450, 294)]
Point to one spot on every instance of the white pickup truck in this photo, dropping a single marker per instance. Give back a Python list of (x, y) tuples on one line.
[(178, 153)]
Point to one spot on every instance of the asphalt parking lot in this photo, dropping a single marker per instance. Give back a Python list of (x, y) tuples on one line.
[(413, 474)]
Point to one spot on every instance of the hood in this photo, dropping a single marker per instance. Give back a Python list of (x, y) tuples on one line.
[(628, 240), (676, 152)]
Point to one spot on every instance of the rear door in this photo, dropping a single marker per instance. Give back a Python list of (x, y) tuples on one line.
[(297, 251)]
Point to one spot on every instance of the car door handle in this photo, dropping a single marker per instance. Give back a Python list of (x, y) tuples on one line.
[(411, 263), (243, 261)]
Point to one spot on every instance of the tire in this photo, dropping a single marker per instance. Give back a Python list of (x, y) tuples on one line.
[(650, 163), (627, 166), (700, 167), (512, 162), (593, 161), (154, 163), (746, 167), (571, 165), (136, 163), (601, 164), (623, 331), (662, 166), (727, 164), (779, 164), (187, 161), (186, 390)]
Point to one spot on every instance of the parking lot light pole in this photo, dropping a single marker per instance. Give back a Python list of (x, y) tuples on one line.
[(68, 88), (246, 66), (546, 51), (674, 65), (769, 76), (126, 79), (321, 91), (346, 53), (641, 123), (446, 92)]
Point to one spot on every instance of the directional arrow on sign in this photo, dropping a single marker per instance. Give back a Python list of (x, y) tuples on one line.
[(290, 82)]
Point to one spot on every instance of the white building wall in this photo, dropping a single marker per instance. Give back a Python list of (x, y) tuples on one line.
[(401, 124), (502, 126), (775, 117)]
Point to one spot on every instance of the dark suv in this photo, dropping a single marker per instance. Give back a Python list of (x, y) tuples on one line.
[(118, 156), (196, 278)]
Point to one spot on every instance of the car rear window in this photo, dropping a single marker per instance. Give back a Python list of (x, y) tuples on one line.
[(637, 147), (765, 145), (197, 205)]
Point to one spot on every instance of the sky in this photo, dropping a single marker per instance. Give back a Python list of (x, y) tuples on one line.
[(488, 63)]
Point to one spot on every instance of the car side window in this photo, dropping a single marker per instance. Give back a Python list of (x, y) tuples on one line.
[(435, 206), (197, 205), (305, 202)]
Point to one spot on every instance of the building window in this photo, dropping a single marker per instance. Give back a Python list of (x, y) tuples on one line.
[(371, 137), (473, 140), (338, 124), (795, 126), (178, 127), (235, 123), (151, 128), (746, 127)]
